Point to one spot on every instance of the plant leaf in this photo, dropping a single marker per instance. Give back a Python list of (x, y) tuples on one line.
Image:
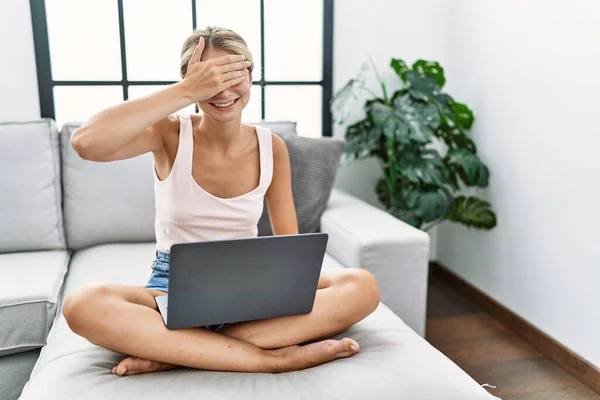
[(422, 84), (455, 138), (423, 167), (464, 115), (431, 69), (417, 95), (455, 116), (428, 204), (396, 205), (423, 118), (400, 67), (386, 198), (472, 212), (362, 140), (343, 100), (385, 118), (468, 167), (383, 193), (445, 101)]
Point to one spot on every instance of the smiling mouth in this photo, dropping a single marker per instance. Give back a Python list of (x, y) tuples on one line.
[(224, 106)]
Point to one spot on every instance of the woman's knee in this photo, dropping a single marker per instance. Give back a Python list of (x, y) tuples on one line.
[(364, 287), (78, 306)]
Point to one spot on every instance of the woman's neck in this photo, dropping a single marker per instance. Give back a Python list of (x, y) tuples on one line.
[(219, 133)]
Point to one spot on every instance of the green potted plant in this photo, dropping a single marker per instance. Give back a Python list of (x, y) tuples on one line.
[(406, 132)]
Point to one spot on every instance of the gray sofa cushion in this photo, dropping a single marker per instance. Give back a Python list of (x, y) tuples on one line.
[(106, 202), (14, 373), (30, 211), (280, 127), (28, 300), (314, 163), (113, 202), (394, 362)]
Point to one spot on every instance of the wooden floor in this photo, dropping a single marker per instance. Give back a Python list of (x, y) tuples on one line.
[(492, 354)]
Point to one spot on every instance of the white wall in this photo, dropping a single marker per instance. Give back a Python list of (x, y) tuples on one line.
[(18, 78), (530, 72)]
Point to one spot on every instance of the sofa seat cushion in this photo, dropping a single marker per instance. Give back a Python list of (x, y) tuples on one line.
[(394, 362), (31, 284)]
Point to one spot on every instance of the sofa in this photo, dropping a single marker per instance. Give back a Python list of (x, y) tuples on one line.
[(66, 222)]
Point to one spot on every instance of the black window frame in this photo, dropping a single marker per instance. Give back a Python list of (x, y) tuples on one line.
[(46, 84)]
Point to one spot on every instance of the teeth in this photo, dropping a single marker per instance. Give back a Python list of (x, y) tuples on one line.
[(224, 105)]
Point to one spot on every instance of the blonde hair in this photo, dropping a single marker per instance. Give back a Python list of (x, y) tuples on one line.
[(217, 38)]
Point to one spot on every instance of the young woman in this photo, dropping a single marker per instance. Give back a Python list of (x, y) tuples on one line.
[(211, 175)]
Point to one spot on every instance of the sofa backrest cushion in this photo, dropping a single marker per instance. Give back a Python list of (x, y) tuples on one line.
[(106, 202), (314, 163), (112, 202), (30, 212), (280, 127)]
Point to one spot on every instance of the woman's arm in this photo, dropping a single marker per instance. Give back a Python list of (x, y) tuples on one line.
[(129, 129), (136, 126), (280, 202)]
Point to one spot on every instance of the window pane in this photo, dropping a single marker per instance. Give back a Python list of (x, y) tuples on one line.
[(84, 39), (79, 103), (293, 40), (135, 92), (251, 113), (241, 16), (154, 33), (296, 103)]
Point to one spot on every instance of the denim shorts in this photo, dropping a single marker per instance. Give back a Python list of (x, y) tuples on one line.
[(159, 280)]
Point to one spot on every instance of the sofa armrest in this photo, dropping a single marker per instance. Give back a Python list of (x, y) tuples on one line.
[(397, 254)]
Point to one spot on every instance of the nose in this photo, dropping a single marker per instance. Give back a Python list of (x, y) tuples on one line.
[(224, 93)]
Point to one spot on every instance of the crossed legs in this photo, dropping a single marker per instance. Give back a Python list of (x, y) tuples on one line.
[(125, 319)]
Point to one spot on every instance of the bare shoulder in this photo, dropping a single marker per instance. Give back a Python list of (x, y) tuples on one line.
[(167, 126), (168, 131), (280, 150)]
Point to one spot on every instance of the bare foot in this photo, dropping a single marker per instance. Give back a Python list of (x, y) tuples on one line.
[(291, 358), (295, 358), (134, 365)]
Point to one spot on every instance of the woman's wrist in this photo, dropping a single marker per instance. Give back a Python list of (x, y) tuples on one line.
[(183, 92)]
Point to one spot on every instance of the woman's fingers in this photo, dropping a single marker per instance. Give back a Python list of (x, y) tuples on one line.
[(234, 66), (234, 75), (232, 82), (197, 54), (228, 59)]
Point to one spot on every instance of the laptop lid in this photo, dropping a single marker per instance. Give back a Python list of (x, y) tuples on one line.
[(247, 279)]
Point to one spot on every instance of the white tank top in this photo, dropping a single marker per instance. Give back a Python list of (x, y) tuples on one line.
[(187, 213)]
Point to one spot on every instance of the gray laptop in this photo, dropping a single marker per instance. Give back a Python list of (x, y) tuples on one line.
[(229, 281)]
